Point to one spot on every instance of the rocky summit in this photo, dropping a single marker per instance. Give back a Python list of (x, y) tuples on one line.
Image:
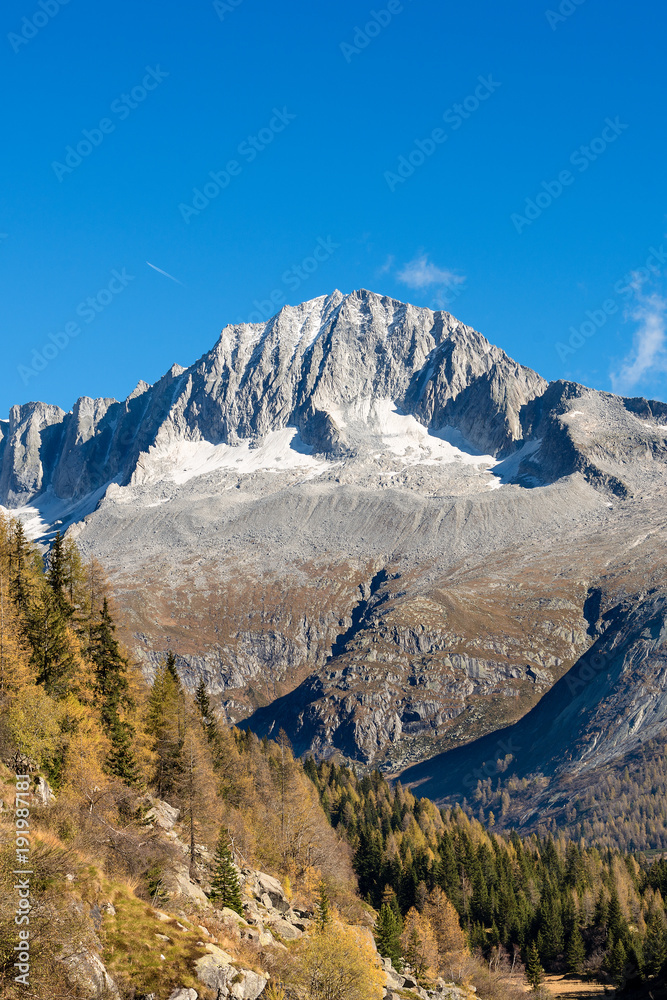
[(364, 523)]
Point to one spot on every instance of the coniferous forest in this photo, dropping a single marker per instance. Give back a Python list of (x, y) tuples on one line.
[(581, 906), (443, 894)]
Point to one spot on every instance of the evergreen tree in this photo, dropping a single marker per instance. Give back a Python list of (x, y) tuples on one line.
[(551, 926), (655, 943), (53, 654), (576, 951), (203, 703), (225, 888), (20, 568), (615, 923), (322, 913), (534, 970), (616, 959), (56, 575), (170, 666), (112, 695), (14, 652), (388, 929)]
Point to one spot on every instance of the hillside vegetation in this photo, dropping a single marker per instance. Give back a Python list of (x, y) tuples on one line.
[(581, 908), (167, 851)]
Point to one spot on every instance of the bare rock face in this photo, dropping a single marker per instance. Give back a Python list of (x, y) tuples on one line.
[(32, 437), (360, 521)]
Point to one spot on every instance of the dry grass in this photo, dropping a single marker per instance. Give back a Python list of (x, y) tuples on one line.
[(134, 954), (573, 989)]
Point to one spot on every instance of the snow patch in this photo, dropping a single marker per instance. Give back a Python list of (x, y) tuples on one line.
[(49, 513), (181, 461), (508, 469), (378, 425)]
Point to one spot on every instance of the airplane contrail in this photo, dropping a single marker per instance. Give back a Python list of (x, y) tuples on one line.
[(165, 274)]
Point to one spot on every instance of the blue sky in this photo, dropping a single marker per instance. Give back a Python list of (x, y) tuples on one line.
[(342, 160)]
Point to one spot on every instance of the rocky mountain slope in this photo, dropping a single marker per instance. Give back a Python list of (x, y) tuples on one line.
[(363, 522)]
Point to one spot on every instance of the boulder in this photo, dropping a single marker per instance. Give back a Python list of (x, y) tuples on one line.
[(184, 994), (284, 929), (224, 913), (86, 972), (215, 969), (184, 887), (249, 986), (393, 980), (251, 913), (268, 883), (162, 814), (42, 792)]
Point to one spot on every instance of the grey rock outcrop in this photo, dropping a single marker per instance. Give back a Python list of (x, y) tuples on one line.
[(43, 794), (86, 972)]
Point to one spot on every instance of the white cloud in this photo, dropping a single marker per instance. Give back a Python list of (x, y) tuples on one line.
[(649, 352), (421, 273)]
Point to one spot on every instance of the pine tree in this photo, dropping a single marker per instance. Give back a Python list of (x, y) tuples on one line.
[(225, 888), (616, 959), (655, 943), (20, 566), (322, 914), (53, 653), (56, 575), (170, 665), (615, 923), (165, 723), (203, 703), (534, 970), (551, 926), (14, 652), (112, 695), (388, 929), (576, 951)]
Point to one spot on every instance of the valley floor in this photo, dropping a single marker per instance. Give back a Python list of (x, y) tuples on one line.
[(573, 989)]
